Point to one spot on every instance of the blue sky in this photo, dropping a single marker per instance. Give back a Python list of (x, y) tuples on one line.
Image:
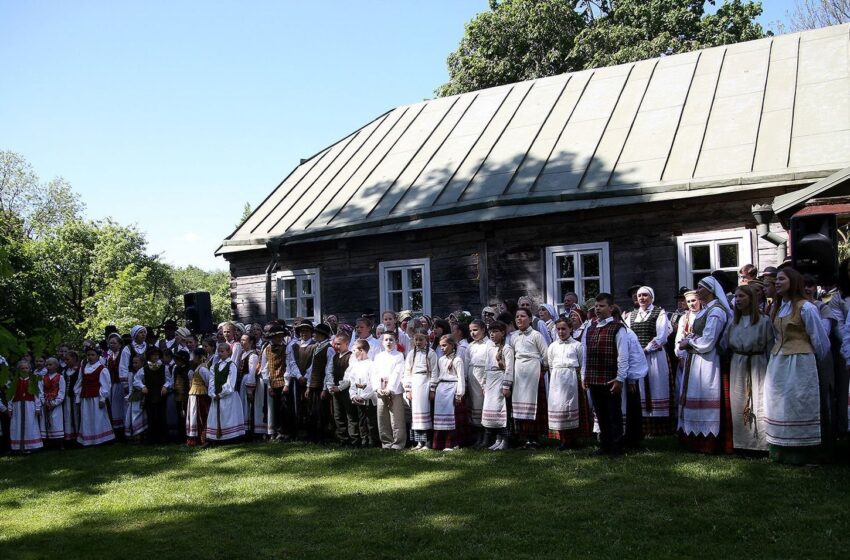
[(173, 115)]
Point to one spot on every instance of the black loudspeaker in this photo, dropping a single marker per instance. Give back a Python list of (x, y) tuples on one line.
[(814, 245), (198, 312)]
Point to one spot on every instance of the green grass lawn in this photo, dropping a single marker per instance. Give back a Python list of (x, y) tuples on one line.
[(291, 501)]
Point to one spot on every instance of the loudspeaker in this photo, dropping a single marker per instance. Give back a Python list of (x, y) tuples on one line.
[(198, 312), (814, 245)]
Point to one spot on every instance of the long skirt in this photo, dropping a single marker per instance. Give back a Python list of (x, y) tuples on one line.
[(563, 401), (52, 423), (528, 376), (444, 405), (225, 419), (24, 429), (540, 424), (95, 423), (445, 439), (197, 411), (247, 407), (135, 418), (792, 401), (420, 402), (746, 398), (116, 406), (584, 421), (495, 410), (720, 442), (71, 414), (476, 381), (656, 395), (261, 398)]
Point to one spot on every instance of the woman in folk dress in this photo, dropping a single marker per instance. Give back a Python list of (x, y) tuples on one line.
[(791, 386), (476, 378), (529, 391), (448, 387), (24, 411), (420, 363), (51, 391), (118, 390), (92, 389), (135, 416), (198, 406), (70, 410), (748, 339), (499, 380), (225, 420), (567, 405)]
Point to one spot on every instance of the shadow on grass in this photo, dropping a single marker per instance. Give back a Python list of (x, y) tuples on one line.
[(296, 501)]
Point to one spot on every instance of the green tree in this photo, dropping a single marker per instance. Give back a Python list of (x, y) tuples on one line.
[(246, 211), (217, 283)]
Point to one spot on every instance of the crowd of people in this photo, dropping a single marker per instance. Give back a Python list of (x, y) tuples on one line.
[(759, 368)]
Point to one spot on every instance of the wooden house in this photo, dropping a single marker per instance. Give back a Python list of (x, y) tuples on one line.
[(582, 182)]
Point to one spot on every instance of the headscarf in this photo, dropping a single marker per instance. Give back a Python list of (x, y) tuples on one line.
[(553, 313), (713, 285), (135, 330), (649, 290)]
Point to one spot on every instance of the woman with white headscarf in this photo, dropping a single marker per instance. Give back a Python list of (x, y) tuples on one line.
[(652, 327), (548, 314), (701, 407), (138, 335)]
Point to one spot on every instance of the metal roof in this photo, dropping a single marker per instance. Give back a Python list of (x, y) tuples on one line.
[(793, 200), (775, 111)]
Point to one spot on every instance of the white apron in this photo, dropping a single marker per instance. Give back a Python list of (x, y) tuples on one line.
[(444, 405)]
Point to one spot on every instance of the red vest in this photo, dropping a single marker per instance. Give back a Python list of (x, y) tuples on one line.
[(112, 366), (601, 358), (51, 387), (22, 391), (91, 383)]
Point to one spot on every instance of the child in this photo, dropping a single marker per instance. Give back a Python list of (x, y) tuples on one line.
[(420, 364), (476, 378), (344, 413), (246, 380), (225, 420), (70, 410), (40, 366), (387, 374), (51, 391), (359, 377), (116, 397), (448, 387), (273, 370), (135, 418), (168, 402), (155, 383), (498, 383), (321, 372), (24, 412), (198, 405), (180, 391), (568, 417), (92, 390)]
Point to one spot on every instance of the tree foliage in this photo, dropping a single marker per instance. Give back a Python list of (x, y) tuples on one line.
[(524, 39), (812, 14)]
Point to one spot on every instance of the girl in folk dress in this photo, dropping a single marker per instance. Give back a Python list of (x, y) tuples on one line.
[(499, 379), (198, 407), (476, 378), (92, 391), (791, 386), (421, 362), (748, 338), (652, 327), (118, 390), (448, 386), (70, 410), (51, 392), (567, 407), (135, 417), (363, 396), (225, 420), (246, 381), (529, 391), (24, 412), (683, 329)]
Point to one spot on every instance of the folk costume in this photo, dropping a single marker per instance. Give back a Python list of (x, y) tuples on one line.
[(419, 366), (748, 345), (476, 378), (449, 385), (273, 374), (631, 402), (791, 386), (529, 391), (567, 404), (198, 406), (225, 419), (70, 409), (246, 385), (117, 389), (92, 390), (387, 374), (499, 375), (299, 369), (51, 393), (135, 416), (24, 425), (321, 371), (683, 330), (178, 399), (365, 399), (127, 354), (155, 378), (344, 412), (652, 329)]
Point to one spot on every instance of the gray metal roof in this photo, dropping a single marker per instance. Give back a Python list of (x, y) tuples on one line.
[(793, 200), (763, 113)]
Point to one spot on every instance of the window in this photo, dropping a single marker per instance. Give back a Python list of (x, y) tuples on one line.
[(298, 295), (582, 269), (702, 253), (406, 285)]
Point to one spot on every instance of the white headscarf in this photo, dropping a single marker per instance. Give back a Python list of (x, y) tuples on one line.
[(135, 330), (552, 311), (648, 290), (712, 285)]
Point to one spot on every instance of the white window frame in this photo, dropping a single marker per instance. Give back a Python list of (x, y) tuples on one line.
[(713, 238), (552, 253), (314, 275), (383, 286)]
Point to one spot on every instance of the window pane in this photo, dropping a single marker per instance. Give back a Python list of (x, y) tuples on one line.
[(728, 255), (700, 257), (697, 277), (289, 289), (591, 289), (414, 278), (415, 299), (290, 309), (565, 286), (394, 279), (396, 300), (306, 287), (590, 265), (308, 307), (565, 266)]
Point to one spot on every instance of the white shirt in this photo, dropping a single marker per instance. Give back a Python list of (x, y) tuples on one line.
[(388, 371), (621, 339)]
